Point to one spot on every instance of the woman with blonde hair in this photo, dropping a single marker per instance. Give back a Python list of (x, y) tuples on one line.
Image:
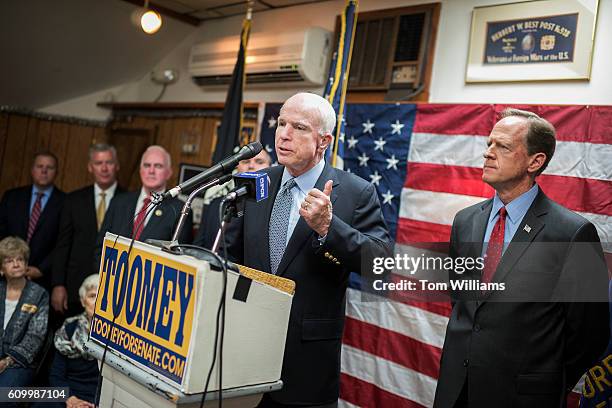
[(24, 310)]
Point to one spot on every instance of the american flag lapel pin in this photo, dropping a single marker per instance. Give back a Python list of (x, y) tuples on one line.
[(527, 228)]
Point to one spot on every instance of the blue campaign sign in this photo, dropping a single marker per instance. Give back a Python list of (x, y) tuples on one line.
[(531, 40)]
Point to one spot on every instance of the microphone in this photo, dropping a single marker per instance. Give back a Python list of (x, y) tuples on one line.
[(251, 185), (224, 166)]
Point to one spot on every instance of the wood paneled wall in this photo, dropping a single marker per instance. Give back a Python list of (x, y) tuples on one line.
[(22, 135), (167, 132)]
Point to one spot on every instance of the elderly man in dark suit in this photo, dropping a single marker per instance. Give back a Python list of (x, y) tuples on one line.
[(128, 214), (314, 229), (81, 219), (539, 318), (32, 213)]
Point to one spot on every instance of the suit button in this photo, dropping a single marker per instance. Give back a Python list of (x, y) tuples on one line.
[(476, 327), (466, 362)]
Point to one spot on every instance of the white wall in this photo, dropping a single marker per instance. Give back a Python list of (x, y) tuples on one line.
[(87, 106), (288, 19), (448, 73)]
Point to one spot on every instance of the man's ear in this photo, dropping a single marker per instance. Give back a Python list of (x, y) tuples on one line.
[(325, 141), (536, 162)]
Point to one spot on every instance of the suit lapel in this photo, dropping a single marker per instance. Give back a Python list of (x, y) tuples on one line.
[(525, 234), (89, 207), (129, 214), (153, 226), (302, 231), (25, 218), (479, 227)]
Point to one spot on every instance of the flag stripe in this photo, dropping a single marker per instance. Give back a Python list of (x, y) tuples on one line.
[(393, 346), (388, 376), (579, 194), (365, 394), (413, 231), (567, 191), (402, 318), (433, 207), (572, 123), (585, 160), (454, 119), (416, 205), (436, 177)]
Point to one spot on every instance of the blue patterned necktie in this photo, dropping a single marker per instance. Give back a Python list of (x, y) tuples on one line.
[(279, 221)]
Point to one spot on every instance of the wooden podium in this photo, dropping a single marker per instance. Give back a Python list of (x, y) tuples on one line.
[(156, 315)]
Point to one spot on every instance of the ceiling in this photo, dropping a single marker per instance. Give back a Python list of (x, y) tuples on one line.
[(201, 10), (53, 51)]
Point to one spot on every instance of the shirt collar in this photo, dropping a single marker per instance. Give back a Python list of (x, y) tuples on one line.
[(108, 191), (46, 192), (306, 181), (516, 208)]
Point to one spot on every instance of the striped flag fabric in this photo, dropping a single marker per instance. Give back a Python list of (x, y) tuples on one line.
[(426, 161)]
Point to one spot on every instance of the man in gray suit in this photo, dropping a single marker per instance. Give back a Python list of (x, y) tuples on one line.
[(526, 342)]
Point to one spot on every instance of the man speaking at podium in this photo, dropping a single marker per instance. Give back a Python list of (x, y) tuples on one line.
[(313, 229)]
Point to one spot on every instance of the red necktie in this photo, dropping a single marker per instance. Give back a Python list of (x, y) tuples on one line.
[(140, 219), (35, 215), (495, 248)]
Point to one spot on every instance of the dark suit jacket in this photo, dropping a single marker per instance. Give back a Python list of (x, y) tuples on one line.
[(26, 330), (119, 220), (74, 253), (14, 219), (209, 226), (311, 366), (528, 345)]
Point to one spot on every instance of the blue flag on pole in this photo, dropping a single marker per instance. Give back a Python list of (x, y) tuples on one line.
[(335, 90)]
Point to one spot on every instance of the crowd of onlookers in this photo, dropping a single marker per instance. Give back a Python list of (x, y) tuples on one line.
[(50, 245)]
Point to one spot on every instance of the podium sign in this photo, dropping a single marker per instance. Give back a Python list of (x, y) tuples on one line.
[(151, 298), (164, 308)]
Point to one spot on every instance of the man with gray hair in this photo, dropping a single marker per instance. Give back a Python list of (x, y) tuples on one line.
[(131, 215), (81, 218), (315, 228)]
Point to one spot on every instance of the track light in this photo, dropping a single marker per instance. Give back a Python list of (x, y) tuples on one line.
[(151, 20)]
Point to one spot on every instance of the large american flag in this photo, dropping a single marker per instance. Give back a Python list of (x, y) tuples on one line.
[(426, 161)]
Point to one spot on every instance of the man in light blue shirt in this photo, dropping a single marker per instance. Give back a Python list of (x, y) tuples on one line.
[(539, 316), (38, 224)]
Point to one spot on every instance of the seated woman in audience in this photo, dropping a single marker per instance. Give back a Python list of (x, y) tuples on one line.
[(24, 310), (72, 366)]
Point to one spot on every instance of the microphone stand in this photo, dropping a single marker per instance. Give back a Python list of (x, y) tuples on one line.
[(230, 211), (187, 207)]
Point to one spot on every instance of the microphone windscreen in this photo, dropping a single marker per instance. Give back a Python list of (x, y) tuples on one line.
[(257, 183)]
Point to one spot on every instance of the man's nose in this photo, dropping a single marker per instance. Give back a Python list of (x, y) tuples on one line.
[(283, 132)]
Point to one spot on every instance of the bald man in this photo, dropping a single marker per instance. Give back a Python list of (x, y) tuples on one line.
[(126, 217)]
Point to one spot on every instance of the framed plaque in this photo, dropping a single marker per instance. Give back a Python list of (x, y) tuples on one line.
[(545, 40)]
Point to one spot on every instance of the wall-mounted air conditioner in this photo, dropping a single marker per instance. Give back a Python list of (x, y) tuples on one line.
[(272, 58)]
